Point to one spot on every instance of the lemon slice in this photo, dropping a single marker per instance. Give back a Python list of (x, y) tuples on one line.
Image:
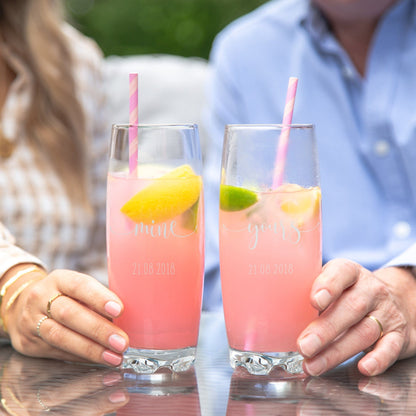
[(165, 198), (234, 198), (190, 217), (300, 203)]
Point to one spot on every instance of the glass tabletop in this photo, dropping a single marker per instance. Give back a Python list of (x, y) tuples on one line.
[(32, 386)]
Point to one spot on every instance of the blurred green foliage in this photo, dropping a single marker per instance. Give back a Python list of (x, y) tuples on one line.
[(180, 27)]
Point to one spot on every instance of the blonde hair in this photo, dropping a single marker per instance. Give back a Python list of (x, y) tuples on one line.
[(55, 121)]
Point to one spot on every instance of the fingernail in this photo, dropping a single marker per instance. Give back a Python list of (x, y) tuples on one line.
[(310, 345), (323, 299), (370, 365), (117, 342), (111, 379), (112, 308), (112, 358), (316, 367), (117, 397)]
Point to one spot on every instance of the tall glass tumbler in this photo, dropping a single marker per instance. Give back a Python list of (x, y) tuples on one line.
[(270, 243), (155, 243)]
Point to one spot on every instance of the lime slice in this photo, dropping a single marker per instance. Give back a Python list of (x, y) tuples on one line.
[(165, 198), (234, 198)]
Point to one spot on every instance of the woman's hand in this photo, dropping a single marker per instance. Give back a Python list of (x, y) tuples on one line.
[(360, 311), (77, 326)]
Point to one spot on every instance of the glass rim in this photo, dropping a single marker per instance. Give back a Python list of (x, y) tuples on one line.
[(155, 125), (271, 126)]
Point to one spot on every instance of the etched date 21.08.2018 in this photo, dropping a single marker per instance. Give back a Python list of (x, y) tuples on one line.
[(158, 268), (266, 269)]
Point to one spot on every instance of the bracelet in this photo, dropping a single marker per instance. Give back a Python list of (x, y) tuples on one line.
[(14, 279), (10, 282), (13, 298)]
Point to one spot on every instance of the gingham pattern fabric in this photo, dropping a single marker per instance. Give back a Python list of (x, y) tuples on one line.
[(36, 215)]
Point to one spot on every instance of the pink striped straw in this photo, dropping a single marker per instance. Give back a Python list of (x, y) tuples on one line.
[(133, 121), (279, 165)]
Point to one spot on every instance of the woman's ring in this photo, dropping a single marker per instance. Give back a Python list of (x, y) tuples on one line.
[(41, 320), (50, 301), (379, 325)]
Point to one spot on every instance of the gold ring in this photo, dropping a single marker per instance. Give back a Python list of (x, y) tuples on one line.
[(41, 320), (50, 301), (379, 325)]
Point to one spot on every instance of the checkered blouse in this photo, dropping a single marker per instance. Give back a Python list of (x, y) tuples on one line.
[(36, 215)]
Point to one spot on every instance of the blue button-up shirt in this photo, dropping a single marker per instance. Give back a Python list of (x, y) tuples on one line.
[(365, 126)]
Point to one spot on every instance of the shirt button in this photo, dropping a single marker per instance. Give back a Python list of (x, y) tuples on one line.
[(348, 72), (402, 230), (381, 148)]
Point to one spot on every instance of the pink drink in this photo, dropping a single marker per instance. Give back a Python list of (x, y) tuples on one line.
[(156, 269), (269, 258)]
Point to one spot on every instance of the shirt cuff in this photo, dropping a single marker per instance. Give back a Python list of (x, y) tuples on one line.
[(11, 255), (405, 259)]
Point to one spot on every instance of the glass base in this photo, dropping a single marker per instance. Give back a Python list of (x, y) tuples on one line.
[(148, 361), (261, 363)]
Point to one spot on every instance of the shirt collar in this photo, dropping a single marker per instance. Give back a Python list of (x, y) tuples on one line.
[(313, 20), (317, 26), (22, 73)]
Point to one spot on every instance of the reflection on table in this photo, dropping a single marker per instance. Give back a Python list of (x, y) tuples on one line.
[(32, 386), (342, 392), (163, 393)]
